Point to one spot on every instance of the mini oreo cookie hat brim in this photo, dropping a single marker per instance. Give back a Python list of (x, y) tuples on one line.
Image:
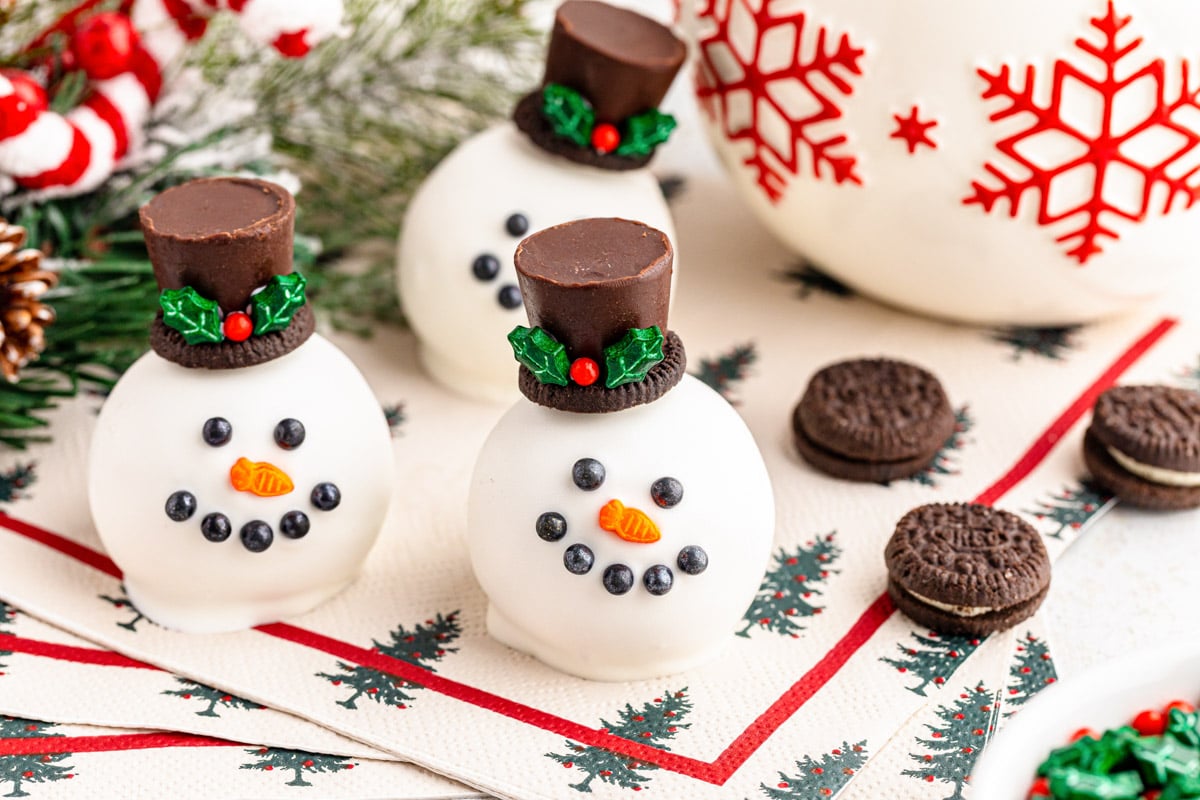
[(1132, 489), (947, 623)]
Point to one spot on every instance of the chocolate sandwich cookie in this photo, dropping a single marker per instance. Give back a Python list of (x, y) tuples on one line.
[(872, 420), (965, 568), (1144, 446)]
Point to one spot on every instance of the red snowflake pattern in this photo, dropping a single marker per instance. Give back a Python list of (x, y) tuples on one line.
[(1149, 149), (914, 131), (753, 78)]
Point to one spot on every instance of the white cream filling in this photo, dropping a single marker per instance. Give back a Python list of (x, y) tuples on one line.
[(1164, 477), (958, 611)]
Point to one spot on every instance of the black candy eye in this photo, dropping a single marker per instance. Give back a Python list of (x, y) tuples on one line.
[(181, 505), (509, 297), (216, 527), (326, 496), (289, 433), (294, 524), (517, 225), (551, 526), (666, 492), (588, 474), (485, 267), (217, 431)]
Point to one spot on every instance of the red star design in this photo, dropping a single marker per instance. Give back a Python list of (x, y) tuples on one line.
[(913, 131)]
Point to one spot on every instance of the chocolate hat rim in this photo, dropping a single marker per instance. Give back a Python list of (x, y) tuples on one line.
[(528, 118), (169, 344), (598, 399), (287, 205)]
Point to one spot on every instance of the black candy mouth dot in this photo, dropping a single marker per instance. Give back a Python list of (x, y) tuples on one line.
[(509, 297), (517, 224), (551, 526), (257, 536), (180, 505), (485, 267)]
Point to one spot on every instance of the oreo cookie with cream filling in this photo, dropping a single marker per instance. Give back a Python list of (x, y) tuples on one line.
[(1144, 445), (965, 568)]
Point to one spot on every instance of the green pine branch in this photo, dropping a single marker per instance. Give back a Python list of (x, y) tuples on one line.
[(362, 120)]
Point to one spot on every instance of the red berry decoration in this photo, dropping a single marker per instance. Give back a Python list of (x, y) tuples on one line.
[(1084, 733), (605, 138), (1179, 705), (1040, 788), (104, 45), (21, 107), (1150, 723), (293, 44), (237, 327), (585, 371)]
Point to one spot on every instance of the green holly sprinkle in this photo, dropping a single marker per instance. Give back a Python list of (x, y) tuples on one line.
[(569, 114), (644, 132), (541, 354), (275, 305), (196, 318), (629, 360)]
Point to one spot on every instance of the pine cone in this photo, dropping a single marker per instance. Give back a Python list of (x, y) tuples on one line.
[(23, 317)]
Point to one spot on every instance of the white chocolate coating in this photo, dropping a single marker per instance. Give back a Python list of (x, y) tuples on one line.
[(459, 213), (148, 444), (905, 235), (1163, 477), (570, 621)]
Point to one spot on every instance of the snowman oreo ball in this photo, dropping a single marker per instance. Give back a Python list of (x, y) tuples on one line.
[(577, 147), (240, 471), (620, 516)]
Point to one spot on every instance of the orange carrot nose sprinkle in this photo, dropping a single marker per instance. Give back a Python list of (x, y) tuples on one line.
[(260, 478), (630, 524)]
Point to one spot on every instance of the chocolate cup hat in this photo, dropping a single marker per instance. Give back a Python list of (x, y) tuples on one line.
[(621, 62), (226, 238), (588, 283)]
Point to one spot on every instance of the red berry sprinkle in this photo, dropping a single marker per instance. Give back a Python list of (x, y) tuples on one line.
[(605, 138), (585, 371), (1179, 705), (1040, 788), (1150, 723), (237, 327), (1084, 733)]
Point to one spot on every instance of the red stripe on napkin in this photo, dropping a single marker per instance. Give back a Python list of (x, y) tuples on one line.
[(65, 652), (48, 745)]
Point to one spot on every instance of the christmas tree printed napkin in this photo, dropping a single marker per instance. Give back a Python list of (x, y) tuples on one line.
[(821, 662), (49, 760)]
